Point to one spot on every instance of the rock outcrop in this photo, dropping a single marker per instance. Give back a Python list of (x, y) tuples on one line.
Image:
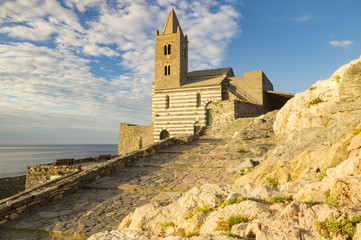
[(301, 178)]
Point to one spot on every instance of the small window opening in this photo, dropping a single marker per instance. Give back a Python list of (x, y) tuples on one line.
[(165, 49), (168, 69), (198, 100), (169, 49), (165, 70), (167, 102), (184, 52)]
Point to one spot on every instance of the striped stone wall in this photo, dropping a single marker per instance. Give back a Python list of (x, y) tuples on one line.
[(182, 112)]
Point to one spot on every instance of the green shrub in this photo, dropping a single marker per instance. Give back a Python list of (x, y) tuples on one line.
[(337, 78), (312, 203), (280, 199), (313, 88), (182, 233), (333, 202), (273, 182), (207, 209), (167, 224), (331, 227), (226, 225), (234, 200), (315, 102), (322, 176), (356, 131), (249, 169), (356, 219), (241, 149)]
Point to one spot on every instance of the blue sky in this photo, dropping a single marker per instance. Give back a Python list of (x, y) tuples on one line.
[(72, 70)]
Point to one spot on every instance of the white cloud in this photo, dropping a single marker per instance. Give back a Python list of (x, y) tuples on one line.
[(51, 81), (303, 18), (343, 44)]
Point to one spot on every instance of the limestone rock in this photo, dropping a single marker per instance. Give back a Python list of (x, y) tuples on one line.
[(320, 115), (347, 189), (305, 163), (249, 209), (209, 237), (152, 215), (312, 192), (121, 235)]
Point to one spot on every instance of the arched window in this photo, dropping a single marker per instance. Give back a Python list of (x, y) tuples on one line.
[(198, 100), (169, 48), (165, 70), (168, 69), (165, 49), (167, 102)]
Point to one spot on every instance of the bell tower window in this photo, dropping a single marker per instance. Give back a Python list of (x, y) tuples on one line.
[(167, 49), (167, 70)]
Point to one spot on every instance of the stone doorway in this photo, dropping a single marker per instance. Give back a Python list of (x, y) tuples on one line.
[(164, 134), (209, 118)]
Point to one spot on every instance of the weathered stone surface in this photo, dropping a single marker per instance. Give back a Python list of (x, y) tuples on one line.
[(347, 189), (201, 238), (249, 209), (152, 215), (121, 235)]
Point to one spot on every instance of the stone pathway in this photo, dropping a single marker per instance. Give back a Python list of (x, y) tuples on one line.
[(102, 204)]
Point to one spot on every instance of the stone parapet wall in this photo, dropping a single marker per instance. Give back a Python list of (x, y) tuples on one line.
[(244, 109), (12, 207), (11, 185), (134, 137), (40, 174)]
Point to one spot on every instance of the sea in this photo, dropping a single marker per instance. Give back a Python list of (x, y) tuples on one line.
[(14, 159)]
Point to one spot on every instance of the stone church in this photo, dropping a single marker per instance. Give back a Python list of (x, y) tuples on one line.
[(183, 102)]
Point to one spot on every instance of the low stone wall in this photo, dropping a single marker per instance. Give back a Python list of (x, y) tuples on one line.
[(11, 185), (243, 109), (40, 174), (12, 207)]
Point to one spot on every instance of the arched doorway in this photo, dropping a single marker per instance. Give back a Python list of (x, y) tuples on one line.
[(209, 117), (164, 134)]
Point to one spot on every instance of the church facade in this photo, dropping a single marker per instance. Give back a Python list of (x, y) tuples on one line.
[(183, 102)]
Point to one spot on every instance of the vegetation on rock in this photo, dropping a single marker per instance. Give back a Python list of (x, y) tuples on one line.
[(227, 224)]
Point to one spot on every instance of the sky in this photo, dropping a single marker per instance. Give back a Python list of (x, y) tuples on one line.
[(72, 70)]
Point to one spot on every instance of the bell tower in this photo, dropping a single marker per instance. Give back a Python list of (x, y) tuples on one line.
[(171, 55)]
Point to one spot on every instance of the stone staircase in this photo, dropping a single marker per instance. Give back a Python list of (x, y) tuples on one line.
[(102, 204)]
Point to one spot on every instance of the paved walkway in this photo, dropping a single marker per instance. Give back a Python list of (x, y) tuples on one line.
[(102, 204)]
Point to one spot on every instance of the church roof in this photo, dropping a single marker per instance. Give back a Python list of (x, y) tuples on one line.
[(171, 24), (207, 77), (211, 72)]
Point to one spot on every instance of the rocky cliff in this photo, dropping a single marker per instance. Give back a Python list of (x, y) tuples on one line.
[(300, 176)]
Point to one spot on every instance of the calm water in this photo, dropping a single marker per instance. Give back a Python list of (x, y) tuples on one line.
[(15, 158)]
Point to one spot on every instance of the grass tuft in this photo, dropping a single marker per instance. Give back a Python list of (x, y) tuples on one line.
[(226, 225), (315, 102)]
